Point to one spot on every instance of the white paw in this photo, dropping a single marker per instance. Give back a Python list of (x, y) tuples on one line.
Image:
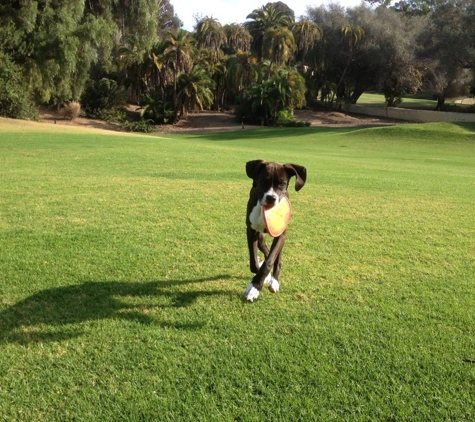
[(268, 280), (274, 285), (251, 293)]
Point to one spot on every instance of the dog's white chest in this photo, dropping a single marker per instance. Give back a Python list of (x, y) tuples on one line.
[(257, 219)]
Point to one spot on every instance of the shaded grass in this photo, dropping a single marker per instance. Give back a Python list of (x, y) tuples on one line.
[(123, 262)]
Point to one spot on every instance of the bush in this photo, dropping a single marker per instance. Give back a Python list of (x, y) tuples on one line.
[(285, 118), (140, 125), (104, 94), (153, 108), (296, 123), (15, 100), (112, 115), (71, 110)]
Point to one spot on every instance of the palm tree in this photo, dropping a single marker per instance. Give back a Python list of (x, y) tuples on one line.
[(278, 45), (265, 17), (238, 38), (352, 36), (210, 34), (217, 70), (242, 72), (161, 73), (306, 34), (195, 90), (180, 52), (132, 62)]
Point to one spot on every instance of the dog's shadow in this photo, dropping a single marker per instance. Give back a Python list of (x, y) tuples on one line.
[(56, 314)]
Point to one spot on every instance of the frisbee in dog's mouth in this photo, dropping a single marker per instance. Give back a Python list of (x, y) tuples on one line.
[(277, 218)]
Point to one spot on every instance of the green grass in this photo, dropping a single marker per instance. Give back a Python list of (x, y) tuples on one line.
[(417, 101), (123, 262)]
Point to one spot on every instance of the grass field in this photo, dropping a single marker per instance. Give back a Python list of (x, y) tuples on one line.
[(123, 262), (417, 101)]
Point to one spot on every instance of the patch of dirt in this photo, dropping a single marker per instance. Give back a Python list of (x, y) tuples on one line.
[(211, 121), (47, 115)]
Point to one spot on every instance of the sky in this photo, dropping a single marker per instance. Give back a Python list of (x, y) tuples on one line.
[(235, 11)]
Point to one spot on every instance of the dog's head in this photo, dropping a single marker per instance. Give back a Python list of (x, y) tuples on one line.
[(272, 180)]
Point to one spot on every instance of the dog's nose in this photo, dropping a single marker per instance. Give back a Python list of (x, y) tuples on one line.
[(270, 200)]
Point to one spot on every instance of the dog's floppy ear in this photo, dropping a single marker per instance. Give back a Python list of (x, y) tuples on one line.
[(252, 168), (299, 172)]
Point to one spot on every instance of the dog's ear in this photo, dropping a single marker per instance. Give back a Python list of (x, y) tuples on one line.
[(252, 168), (299, 172)]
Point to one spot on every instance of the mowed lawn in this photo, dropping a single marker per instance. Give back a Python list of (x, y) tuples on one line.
[(123, 261)]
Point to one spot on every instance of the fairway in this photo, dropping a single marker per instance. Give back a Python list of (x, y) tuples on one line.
[(123, 263)]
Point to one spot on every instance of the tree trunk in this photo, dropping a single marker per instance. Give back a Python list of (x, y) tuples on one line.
[(440, 102)]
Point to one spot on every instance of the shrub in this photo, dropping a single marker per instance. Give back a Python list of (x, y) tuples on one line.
[(71, 110), (153, 108), (141, 125), (285, 118), (15, 100), (112, 115), (104, 94)]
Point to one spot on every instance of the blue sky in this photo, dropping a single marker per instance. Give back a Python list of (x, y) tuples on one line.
[(230, 11)]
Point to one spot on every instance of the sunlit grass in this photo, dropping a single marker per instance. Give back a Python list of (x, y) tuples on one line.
[(123, 262), (418, 101)]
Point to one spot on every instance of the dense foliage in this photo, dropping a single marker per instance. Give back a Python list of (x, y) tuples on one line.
[(97, 51)]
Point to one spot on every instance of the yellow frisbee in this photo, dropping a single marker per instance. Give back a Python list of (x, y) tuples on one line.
[(277, 218)]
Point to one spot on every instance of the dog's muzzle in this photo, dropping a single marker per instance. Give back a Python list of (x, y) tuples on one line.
[(269, 201)]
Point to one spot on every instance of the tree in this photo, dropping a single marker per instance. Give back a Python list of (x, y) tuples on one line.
[(278, 45), (365, 48), (54, 43), (15, 101), (210, 34), (306, 34), (271, 15), (242, 72), (196, 90), (447, 49), (262, 102), (168, 21), (238, 38), (180, 52)]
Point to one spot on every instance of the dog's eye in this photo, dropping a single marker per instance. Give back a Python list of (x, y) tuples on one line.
[(282, 184)]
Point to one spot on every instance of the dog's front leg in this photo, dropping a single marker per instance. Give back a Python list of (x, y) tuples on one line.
[(273, 260)]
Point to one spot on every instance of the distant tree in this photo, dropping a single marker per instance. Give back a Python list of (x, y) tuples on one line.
[(180, 52), (278, 45), (54, 44), (447, 49), (15, 100), (210, 34), (414, 7), (271, 15), (242, 72), (238, 38), (262, 102), (168, 21), (306, 34), (195, 90), (363, 49), (139, 18)]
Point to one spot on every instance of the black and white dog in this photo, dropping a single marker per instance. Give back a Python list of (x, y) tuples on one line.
[(269, 186)]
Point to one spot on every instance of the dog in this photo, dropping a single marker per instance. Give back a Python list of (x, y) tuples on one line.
[(270, 181)]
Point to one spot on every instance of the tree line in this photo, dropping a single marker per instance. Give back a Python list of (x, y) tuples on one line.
[(105, 53)]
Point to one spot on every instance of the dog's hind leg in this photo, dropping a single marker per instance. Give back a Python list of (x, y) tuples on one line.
[(252, 243)]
